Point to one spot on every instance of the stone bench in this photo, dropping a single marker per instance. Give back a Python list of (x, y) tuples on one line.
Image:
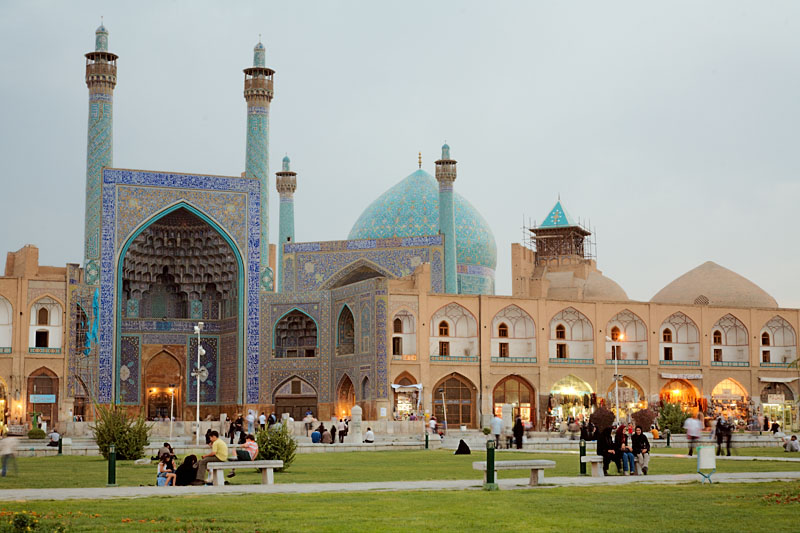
[(597, 464), (537, 468), (266, 468)]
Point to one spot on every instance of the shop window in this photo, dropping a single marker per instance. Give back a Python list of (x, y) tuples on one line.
[(503, 349), (397, 346), (765, 356), (717, 354), (561, 332), (502, 330), (616, 351), (398, 325), (765, 339), (42, 317), (667, 353), (615, 333), (667, 335), (444, 329), (444, 348), (42, 338), (717, 337), (561, 350)]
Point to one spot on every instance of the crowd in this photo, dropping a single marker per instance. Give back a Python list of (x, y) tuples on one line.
[(624, 449)]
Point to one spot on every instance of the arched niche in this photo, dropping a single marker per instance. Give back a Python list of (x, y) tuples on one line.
[(571, 336), (513, 333), (679, 340), (6, 323), (777, 342), (345, 396), (404, 336), (517, 392), (345, 332), (729, 346), (628, 334), (454, 332), (295, 335), (295, 396), (46, 324), (459, 407)]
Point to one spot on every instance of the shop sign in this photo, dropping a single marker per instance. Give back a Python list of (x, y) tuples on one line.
[(681, 376), (43, 398), (775, 398)]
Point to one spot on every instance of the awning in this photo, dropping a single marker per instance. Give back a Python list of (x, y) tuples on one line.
[(666, 375), (781, 379)]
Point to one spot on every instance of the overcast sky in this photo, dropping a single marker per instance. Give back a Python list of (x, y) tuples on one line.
[(671, 126)]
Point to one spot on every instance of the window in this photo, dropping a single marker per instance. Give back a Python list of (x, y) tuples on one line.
[(717, 354), (561, 332), (503, 349), (42, 317), (397, 346), (667, 353), (444, 329), (667, 335), (616, 351), (717, 337), (765, 356), (398, 325), (561, 351), (615, 333), (765, 339), (502, 330), (297, 387), (444, 348), (42, 338)]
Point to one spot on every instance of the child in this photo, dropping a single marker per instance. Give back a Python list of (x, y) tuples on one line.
[(166, 471)]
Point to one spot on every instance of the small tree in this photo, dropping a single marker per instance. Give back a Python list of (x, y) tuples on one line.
[(276, 444), (602, 418), (644, 418), (672, 418), (129, 434)]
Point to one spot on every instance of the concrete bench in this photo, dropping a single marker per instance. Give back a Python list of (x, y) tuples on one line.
[(266, 468), (537, 468), (597, 464)]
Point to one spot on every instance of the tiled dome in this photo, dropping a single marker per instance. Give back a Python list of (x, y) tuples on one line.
[(411, 209)]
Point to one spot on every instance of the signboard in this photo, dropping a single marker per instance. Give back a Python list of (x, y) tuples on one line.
[(775, 398), (681, 376), (383, 412), (17, 429), (43, 398)]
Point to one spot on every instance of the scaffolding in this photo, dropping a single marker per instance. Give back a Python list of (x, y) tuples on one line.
[(557, 242)]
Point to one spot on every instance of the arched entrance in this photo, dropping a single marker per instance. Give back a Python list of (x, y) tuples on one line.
[(43, 396), (454, 401), (407, 396), (5, 406), (345, 397), (730, 398), (631, 397), (570, 397), (296, 397), (520, 394), (681, 392), (162, 379), (777, 402)]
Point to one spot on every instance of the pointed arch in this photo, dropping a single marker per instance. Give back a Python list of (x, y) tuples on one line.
[(366, 390), (460, 407), (778, 342), (345, 395), (513, 333), (459, 337), (728, 390), (729, 342), (345, 331), (628, 334), (407, 376), (359, 270), (46, 324), (44, 381), (571, 336), (631, 396), (6, 324), (404, 341), (295, 334), (295, 396), (518, 392), (679, 340)]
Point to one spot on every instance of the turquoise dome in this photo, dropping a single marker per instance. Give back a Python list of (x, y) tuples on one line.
[(411, 209)]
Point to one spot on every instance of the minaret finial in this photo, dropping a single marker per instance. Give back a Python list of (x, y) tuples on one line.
[(419, 159)]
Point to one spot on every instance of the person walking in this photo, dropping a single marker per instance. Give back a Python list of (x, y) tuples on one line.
[(518, 430), (251, 422), (341, 430), (693, 427), (333, 433), (262, 420), (723, 431), (8, 452), (497, 429), (641, 448)]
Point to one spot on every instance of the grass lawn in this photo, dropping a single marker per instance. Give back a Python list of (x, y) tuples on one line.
[(80, 471), (757, 507)]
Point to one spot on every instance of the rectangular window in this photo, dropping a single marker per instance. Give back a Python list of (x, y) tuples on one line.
[(296, 387), (616, 351), (444, 348), (503, 349), (397, 345), (717, 354), (765, 356), (42, 338), (310, 352), (667, 353), (561, 351), (561, 333)]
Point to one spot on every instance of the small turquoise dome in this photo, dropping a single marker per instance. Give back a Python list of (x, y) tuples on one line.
[(411, 209), (286, 161), (259, 46), (101, 39)]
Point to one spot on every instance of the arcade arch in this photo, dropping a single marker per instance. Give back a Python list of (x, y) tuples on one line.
[(679, 339), (163, 378), (295, 396), (345, 397), (513, 333), (570, 396), (628, 335), (404, 336), (778, 342), (6, 321), (520, 394), (571, 335), (459, 404), (729, 342), (454, 332)]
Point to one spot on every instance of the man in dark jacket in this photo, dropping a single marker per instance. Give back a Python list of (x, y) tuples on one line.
[(605, 448), (641, 448), (723, 430)]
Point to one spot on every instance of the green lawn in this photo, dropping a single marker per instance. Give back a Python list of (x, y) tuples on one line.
[(757, 507), (78, 471)]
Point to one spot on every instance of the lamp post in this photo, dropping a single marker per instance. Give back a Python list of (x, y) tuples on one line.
[(616, 376), (444, 409), (200, 351), (171, 408)]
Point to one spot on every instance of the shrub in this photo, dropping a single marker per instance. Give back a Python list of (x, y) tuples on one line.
[(486, 431), (130, 434), (276, 444), (672, 417), (644, 418), (36, 433)]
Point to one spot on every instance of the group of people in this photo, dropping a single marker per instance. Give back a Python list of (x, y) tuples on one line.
[(237, 432), (340, 427), (628, 445), (517, 432)]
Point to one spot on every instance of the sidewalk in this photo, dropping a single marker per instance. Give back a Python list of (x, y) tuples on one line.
[(309, 488)]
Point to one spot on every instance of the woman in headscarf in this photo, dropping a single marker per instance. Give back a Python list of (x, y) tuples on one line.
[(518, 431), (187, 472)]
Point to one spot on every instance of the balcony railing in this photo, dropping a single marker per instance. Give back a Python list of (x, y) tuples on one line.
[(775, 365), (6, 349), (45, 350), (513, 360), (638, 362), (730, 363), (570, 361), (673, 362), (454, 358)]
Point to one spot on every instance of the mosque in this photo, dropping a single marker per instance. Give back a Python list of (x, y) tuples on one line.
[(400, 317)]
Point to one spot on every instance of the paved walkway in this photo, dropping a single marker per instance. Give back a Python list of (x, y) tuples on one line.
[(787, 459), (308, 488)]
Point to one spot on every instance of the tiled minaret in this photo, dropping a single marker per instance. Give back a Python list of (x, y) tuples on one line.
[(258, 93), (101, 78), (446, 175), (286, 182)]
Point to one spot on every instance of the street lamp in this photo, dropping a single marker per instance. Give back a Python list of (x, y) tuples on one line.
[(200, 351), (620, 337), (444, 409), (171, 408)]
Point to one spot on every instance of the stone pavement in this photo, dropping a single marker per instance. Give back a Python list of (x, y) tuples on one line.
[(788, 459), (308, 488)]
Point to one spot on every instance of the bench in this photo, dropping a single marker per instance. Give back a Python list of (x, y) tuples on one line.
[(597, 464), (537, 468), (266, 468)]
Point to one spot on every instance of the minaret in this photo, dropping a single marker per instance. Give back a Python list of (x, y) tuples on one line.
[(101, 78), (446, 175), (286, 182), (258, 93)]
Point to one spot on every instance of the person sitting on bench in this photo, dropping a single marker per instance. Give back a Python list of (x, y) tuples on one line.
[(219, 454), (248, 451)]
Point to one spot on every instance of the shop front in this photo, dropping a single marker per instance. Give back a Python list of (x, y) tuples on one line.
[(777, 403), (407, 399), (570, 397), (631, 397), (729, 398), (680, 391), (519, 394)]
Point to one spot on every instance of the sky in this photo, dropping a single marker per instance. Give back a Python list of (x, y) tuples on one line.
[(670, 127)]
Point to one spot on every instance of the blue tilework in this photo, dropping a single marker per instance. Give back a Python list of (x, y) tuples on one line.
[(447, 227), (130, 359), (112, 179), (257, 167), (285, 231), (99, 154), (411, 208), (208, 388)]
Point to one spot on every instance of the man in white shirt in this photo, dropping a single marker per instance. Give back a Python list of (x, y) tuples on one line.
[(693, 427), (262, 420), (54, 438), (497, 429), (792, 445), (369, 436), (251, 422)]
